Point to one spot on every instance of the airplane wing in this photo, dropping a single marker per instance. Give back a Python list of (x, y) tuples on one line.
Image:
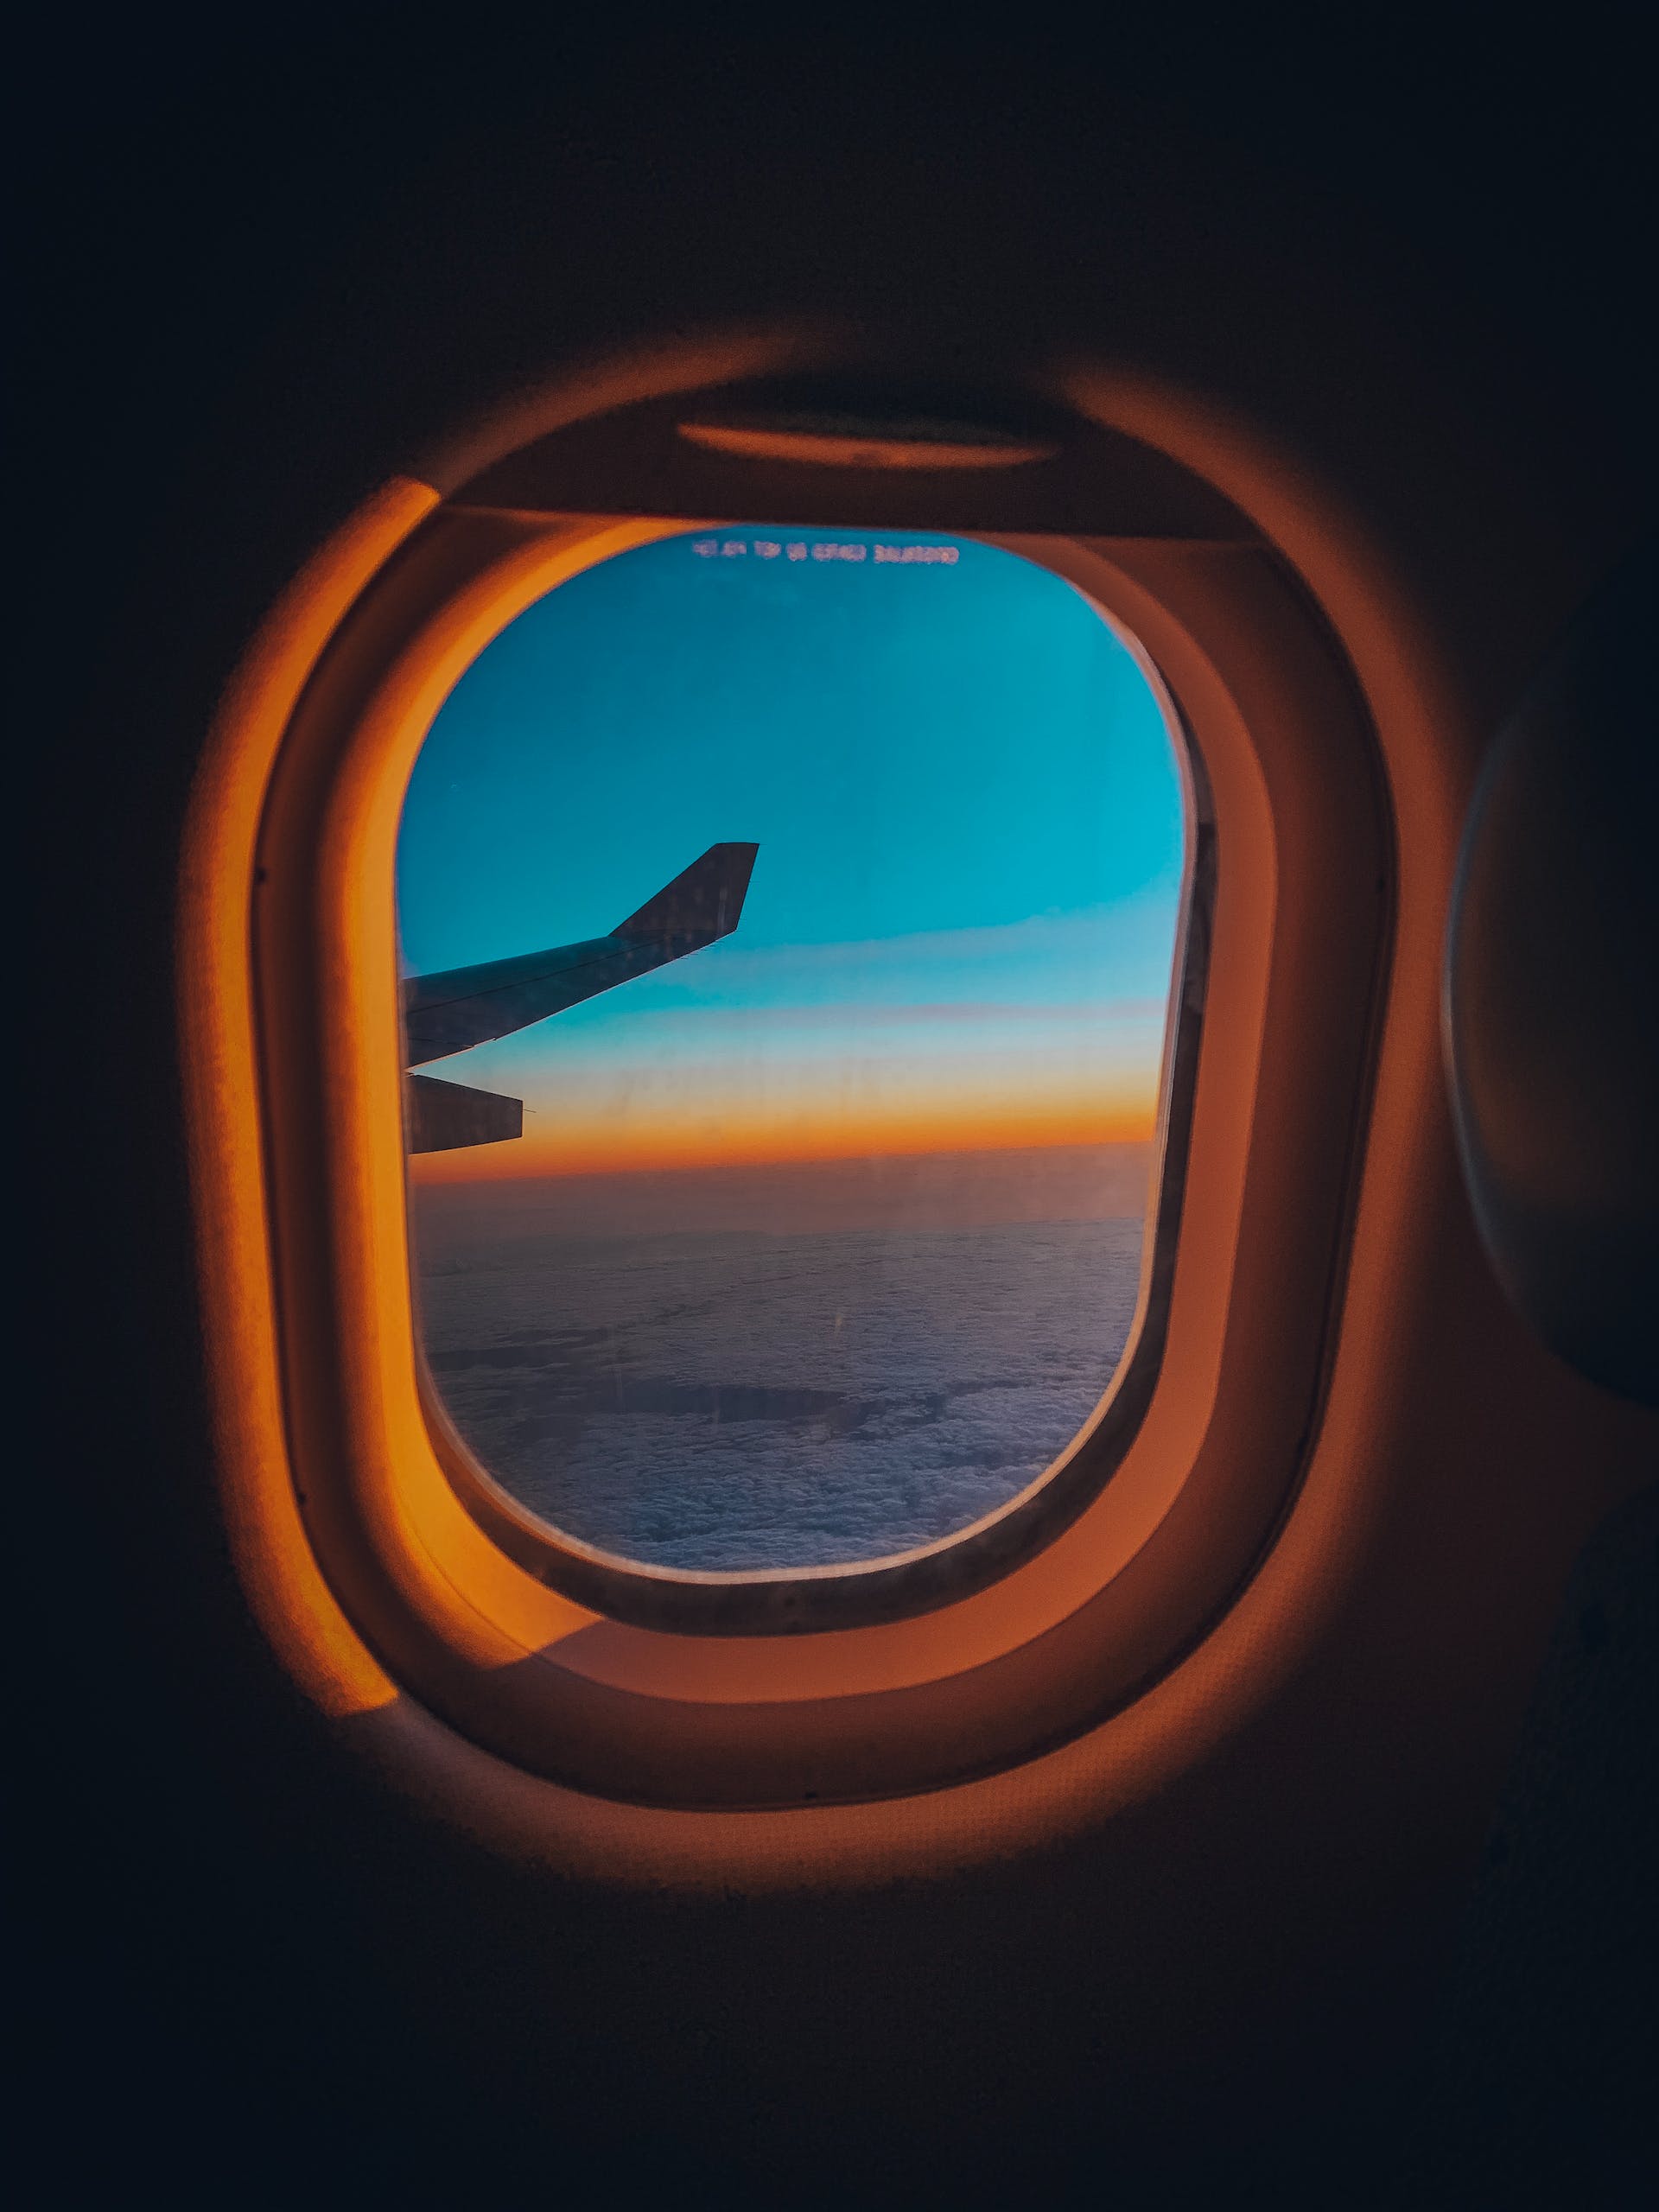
[(454, 1117), (448, 1013)]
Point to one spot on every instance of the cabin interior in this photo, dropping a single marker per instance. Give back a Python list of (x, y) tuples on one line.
[(1345, 1898)]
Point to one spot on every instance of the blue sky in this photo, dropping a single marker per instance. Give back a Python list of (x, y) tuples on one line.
[(968, 810)]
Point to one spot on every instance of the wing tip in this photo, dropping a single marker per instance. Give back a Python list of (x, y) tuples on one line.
[(703, 902)]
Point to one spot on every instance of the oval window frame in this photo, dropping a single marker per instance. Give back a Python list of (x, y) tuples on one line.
[(525, 1716), (664, 1717)]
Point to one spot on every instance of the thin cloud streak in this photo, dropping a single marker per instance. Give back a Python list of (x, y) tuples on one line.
[(1091, 933), (862, 1014)]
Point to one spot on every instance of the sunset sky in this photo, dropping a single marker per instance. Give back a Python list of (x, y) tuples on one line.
[(962, 919)]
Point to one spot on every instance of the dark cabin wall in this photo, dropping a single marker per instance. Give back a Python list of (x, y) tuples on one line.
[(269, 261)]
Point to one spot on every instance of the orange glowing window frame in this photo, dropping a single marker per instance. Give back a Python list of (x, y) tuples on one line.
[(368, 1570)]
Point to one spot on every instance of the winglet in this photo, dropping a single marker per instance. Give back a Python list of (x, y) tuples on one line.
[(702, 904)]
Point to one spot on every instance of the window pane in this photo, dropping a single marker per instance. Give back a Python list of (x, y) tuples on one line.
[(835, 883)]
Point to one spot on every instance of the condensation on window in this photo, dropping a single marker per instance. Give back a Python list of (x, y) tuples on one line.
[(788, 920)]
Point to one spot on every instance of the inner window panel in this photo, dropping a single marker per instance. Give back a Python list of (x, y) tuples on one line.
[(789, 920)]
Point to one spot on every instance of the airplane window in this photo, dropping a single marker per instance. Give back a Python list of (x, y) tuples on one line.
[(789, 920)]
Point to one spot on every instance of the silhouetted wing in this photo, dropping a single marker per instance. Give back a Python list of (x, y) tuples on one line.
[(703, 903), (462, 1007), (451, 1116)]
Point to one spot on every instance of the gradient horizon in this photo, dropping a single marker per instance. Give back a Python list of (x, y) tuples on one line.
[(960, 931)]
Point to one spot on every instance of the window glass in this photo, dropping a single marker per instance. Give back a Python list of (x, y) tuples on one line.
[(788, 920)]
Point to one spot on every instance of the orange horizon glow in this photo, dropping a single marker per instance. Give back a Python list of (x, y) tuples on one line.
[(596, 1145)]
